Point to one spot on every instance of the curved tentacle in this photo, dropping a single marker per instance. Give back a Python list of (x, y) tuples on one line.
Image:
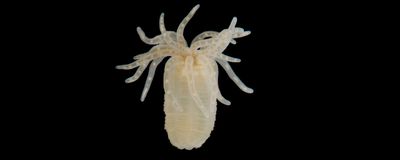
[(138, 73), (212, 65), (228, 58), (221, 41), (200, 40), (145, 39), (216, 44), (128, 66), (225, 65), (204, 35), (180, 39), (221, 99), (155, 52), (239, 32), (201, 44), (162, 24), (150, 77), (233, 23)]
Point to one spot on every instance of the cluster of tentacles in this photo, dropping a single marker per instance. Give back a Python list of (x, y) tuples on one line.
[(170, 43)]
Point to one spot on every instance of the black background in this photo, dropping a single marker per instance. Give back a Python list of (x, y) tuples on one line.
[(77, 104)]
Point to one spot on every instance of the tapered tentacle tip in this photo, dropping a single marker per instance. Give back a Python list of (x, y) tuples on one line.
[(142, 97), (195, 8), (249, 90), (125, 66), (138, 29), (144, 94), (120, 67), (246, 33), (130, 80), (223, 100), (233, 23)]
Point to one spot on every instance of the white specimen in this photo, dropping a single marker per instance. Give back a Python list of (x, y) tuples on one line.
[(190, 78)]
